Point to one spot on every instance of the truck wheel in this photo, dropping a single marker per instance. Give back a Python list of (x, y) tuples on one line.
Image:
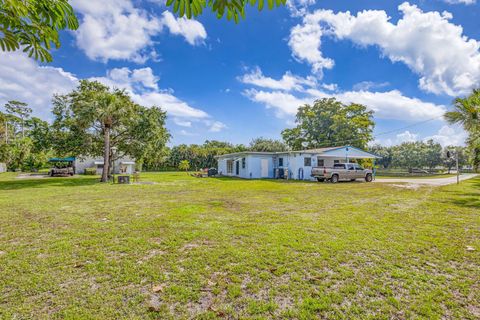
[(320, 179), (334, 178), (368, 177)]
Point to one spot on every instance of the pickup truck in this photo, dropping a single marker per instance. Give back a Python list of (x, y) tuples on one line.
[(342, 171)]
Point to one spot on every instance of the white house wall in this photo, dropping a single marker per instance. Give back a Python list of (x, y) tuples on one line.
[(84, 163), (294, 162), (254, 164)]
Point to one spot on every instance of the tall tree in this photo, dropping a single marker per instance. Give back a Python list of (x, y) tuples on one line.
[(267, 145), (386, 154), (18, 110), (329, 122), (467, 113), (33, 25), (3, 128), (92, 119), (234, 9), (433, 154)]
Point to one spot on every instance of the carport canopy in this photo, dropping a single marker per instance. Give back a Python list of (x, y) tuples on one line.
[(68, 159)]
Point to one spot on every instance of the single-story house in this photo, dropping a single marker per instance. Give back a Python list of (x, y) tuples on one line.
[(289, 164), (123, 165)]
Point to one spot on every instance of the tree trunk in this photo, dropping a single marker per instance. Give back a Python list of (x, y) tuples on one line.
[(106, 154)]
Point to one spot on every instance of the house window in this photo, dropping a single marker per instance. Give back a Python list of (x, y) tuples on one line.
[(280, 162), (243, 163), (229, 166), (336, 161), (320, 162), (307, 162)]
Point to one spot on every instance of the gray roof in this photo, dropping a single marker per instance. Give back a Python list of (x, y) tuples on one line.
[(312, 151)]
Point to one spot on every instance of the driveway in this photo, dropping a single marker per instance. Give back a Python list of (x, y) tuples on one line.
[(426, 181)]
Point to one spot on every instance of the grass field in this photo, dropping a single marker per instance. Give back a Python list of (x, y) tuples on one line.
[(433, 176), (71, 248)]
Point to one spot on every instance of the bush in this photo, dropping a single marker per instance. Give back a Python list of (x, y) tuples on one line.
[(91, 171)]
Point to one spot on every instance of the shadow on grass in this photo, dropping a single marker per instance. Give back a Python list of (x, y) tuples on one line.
[(236, 179), (27, 183), (468, 198)]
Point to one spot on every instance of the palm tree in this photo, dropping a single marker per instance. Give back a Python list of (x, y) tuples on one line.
[(467, 113), (98, 107)]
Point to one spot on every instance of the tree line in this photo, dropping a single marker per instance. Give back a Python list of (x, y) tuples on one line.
[(95, 120), (420, 155)]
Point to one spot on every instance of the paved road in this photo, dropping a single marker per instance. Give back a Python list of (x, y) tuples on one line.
[(431, 182)]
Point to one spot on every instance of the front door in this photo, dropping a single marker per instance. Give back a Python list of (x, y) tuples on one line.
[(264, 168), (237, 168)]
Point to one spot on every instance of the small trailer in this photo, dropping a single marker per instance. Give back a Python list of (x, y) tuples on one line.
[(62, 167)]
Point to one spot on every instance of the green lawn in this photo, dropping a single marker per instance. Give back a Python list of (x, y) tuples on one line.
[(71, 248), (433, 176)]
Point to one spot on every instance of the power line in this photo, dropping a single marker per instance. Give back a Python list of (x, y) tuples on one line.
[(407, 127)]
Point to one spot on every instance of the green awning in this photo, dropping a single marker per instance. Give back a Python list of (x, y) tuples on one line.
[(69, 159)]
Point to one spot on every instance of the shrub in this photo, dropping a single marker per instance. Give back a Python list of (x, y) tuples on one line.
[(91, 171)]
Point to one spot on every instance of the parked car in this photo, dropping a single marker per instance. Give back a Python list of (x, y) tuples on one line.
[(66, 171), (342, 171), (417, 171)]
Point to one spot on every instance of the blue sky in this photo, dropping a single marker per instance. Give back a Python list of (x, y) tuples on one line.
[(218, 80)]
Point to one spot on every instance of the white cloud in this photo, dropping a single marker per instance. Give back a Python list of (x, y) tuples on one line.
[(368, 85), (174, 106), (449, 136), (116, 29), (182, 123), (284, 104), (427, 42), (192, 30), (330, 86), (288, 81), (446, 136), (299, 7), (144, 90), (187, 133), (305, 42), (21, 78), (387, 105), (217, 126), (131, 80), (406, 136), (394, 105)]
